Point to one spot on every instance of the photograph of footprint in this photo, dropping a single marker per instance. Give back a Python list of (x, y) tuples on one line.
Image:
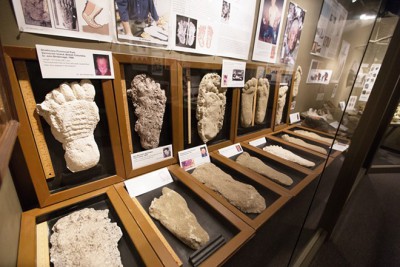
[(186, 29), (36, 12)]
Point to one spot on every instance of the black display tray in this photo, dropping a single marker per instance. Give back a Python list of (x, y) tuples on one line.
[(318, 160), (296, 175), (212, 222)]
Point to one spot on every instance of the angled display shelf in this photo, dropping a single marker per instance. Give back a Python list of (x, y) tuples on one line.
[(301, 178), (52, 179), (36, 229), (227, 231), (274, 197)]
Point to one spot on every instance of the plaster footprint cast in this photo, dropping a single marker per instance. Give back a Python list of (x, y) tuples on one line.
[(260, 167), (247, 101), (302, 143), (288, 155), (72, 114), (281, 104), (315, 136), (85, 238), (262, 100), (297, 79), (243, 196), (149, 102), (173, 212), (210, 110)]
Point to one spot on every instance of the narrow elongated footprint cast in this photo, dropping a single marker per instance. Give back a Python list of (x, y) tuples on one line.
[(247, 101), (72, 114), (288, 155), (210, 110), (260, 167), (303, 143)]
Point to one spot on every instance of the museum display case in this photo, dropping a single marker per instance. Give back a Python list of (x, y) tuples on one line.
[(54, 175), (289, 103), (38, 231), (134, 132)]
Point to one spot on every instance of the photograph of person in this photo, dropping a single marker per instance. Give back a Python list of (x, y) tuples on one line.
[(291, 39), (142, 19), (166, 152), (203, 151), (270, 21), (102, 65), (226, 10)]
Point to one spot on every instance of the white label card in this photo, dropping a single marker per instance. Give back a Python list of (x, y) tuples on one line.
[(151, 156), (147, 182), (340, 147), (65, 62), (294, 117), (231, 151), (258, 142), (192, 157), (233, 73)]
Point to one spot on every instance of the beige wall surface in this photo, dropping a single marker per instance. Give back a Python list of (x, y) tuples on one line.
[(10, 214)]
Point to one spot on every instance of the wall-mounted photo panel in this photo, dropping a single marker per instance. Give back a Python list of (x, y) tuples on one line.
[(268, 32)]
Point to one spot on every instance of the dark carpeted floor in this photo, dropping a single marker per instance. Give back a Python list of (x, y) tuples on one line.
[(368, 232)]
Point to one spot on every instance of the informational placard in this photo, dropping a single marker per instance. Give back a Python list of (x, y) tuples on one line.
[(316, 74), (79, 19), (221, 27), (193, 157), (231, 150), (147, 157), (147, 24), (329, 29), (65, 62), (269, 26), (147, 182), (352, 102), (340, 147), (369, 82), (233, 73), (258, 141), (294, 117), (291, 38)]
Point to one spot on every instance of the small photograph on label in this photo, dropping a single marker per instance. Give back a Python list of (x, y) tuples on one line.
[(203, 151), (188, 164)]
